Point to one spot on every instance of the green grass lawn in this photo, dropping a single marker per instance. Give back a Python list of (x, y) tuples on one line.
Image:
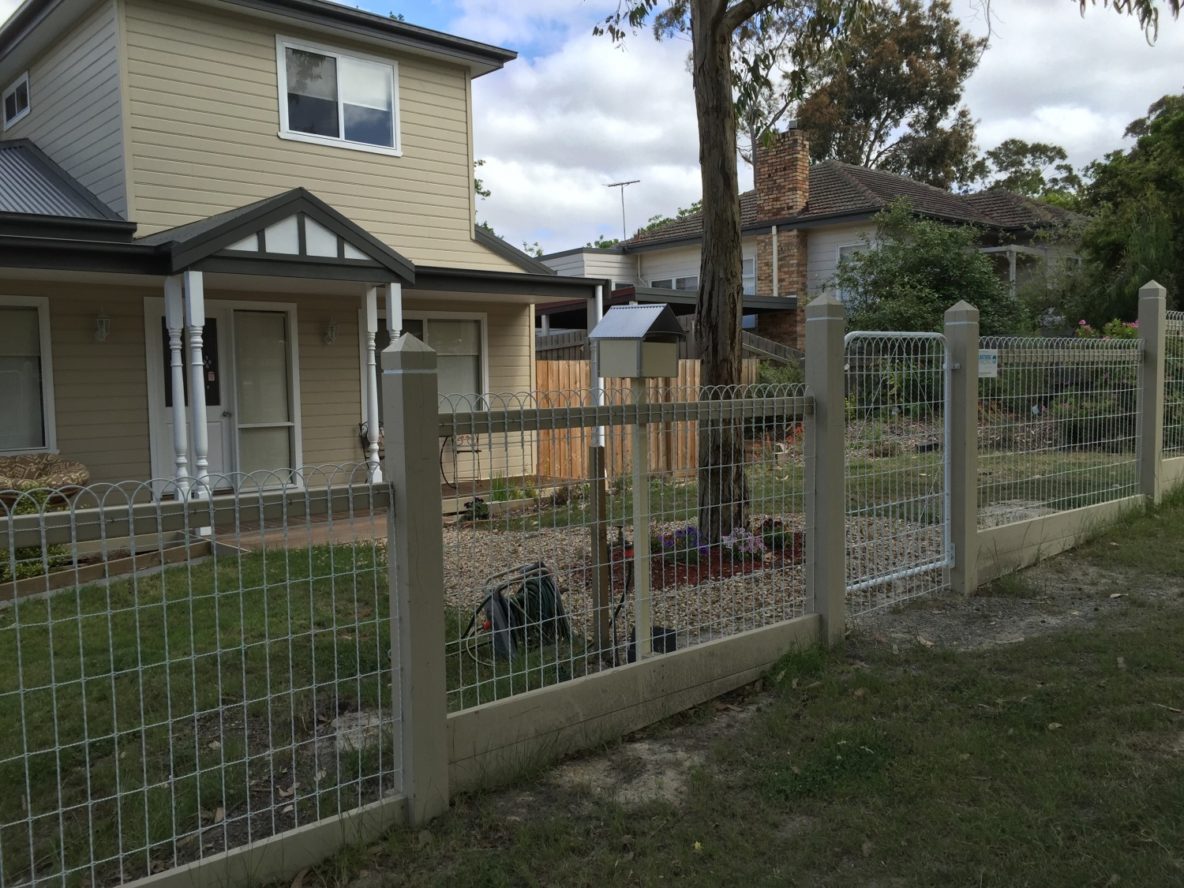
[(1058, 761)]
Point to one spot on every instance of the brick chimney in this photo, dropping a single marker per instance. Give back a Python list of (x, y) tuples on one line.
[(781, 175)]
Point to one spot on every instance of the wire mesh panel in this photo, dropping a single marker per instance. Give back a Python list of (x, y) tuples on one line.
[(1173, 413), (182, 677), (897, 531), (1057, 426), (565, 530)]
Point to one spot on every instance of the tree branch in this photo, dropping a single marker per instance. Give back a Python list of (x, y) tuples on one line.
[(735, 16)]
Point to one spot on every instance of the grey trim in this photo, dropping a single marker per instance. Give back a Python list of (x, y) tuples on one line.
[(198, 241), (510, 283), (618, 250), (347, 20), (24, 224), (506, 250)]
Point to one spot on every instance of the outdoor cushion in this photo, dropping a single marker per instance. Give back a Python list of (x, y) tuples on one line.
[(38, 471)]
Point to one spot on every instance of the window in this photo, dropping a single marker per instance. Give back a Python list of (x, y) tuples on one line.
[(16, 100), (337, 99), (680, 283), (846, 251), (26, 381), (458, 341), (748, 279)]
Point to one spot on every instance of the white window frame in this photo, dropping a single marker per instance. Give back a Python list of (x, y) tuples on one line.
[(424, 316), (282, 43), (48, 412), (744, 276), (12, 88), (840, 293)]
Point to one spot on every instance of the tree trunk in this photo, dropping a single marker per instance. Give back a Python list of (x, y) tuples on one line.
[(723, 493)]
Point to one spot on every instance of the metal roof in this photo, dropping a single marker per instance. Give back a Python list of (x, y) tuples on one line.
[(638, 322), (33, 185)]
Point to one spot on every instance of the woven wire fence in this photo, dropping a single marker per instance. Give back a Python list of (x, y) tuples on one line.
[(897, 539), (1057, 426), (182, 677), (1173, 418), (546, 565)]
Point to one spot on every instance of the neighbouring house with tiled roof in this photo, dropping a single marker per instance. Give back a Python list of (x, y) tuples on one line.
[(797, 222)]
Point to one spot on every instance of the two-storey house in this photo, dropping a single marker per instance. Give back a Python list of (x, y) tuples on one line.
[(213, 215), (798, 222)]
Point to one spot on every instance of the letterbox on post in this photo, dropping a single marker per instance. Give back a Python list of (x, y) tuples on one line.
[(638, 341)]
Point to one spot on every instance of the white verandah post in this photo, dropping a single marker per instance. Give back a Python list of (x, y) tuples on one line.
[(373, 424), (174, 320), (195, 321)]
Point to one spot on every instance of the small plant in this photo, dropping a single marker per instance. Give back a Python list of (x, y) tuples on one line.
[(743, 545), (499, 489), (1114, 329), (777, 537), (681, 546), (476, 509)]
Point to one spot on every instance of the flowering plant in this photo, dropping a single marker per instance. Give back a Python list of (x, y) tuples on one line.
[(1114, 329), (682, 545), (744, 544)]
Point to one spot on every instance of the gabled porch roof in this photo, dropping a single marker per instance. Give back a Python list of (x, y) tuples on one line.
[(293, 234)]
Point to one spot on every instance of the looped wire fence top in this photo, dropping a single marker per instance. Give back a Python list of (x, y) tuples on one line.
[(525, 488), (182, 677), (1057, 426)]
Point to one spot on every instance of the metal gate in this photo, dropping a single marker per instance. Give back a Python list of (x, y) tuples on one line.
[(897, 470)]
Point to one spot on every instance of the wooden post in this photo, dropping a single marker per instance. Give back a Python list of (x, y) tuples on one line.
[(373, 424), (961, 331), (1152, 382), (826, 500), (415, 553), (642, 617), (602, 594)]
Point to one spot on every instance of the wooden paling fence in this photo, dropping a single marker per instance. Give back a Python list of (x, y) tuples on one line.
[(673, 446)]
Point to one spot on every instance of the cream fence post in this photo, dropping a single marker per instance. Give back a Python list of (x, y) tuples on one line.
[(415, 556), (826, 501), (961, 331), (1152, 380)]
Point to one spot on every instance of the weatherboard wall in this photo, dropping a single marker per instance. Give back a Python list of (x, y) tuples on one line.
[(204, 135), (75, 115)]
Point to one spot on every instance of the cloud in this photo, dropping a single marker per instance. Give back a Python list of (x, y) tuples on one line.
[(7, 8), (574, 112)]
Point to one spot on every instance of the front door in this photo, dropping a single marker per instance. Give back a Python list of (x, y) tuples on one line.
[(217, 363)]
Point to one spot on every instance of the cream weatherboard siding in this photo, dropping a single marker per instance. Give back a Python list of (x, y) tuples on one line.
[(669, 263), (203, 133), (618, 268), (74, 101), (822, 252), (102, 418)]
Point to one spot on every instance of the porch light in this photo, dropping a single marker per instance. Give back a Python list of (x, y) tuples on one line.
[(330, 334), (102, 328)]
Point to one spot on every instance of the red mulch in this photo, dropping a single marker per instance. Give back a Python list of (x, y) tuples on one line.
[(713, 566)]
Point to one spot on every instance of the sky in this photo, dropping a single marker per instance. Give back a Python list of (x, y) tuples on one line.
[(574, 112)]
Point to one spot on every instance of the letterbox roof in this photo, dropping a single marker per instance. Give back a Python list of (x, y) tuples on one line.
[(639, 323)]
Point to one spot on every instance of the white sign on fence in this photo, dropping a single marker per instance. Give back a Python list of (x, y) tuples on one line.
[(988, 363)]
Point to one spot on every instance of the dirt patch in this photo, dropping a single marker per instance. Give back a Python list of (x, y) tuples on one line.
[(1056, 595)]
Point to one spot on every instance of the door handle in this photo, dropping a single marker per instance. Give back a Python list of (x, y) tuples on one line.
[(226, 414)]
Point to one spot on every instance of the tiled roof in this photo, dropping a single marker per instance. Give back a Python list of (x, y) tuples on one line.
[(841, 189), (1011, 210), (33, 185)]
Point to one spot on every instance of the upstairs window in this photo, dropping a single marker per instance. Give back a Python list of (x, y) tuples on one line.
[(680, 283), (16, 100), (748, 280), (337, 99)]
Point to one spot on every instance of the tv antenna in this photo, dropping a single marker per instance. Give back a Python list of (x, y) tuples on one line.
[(623, 186)]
